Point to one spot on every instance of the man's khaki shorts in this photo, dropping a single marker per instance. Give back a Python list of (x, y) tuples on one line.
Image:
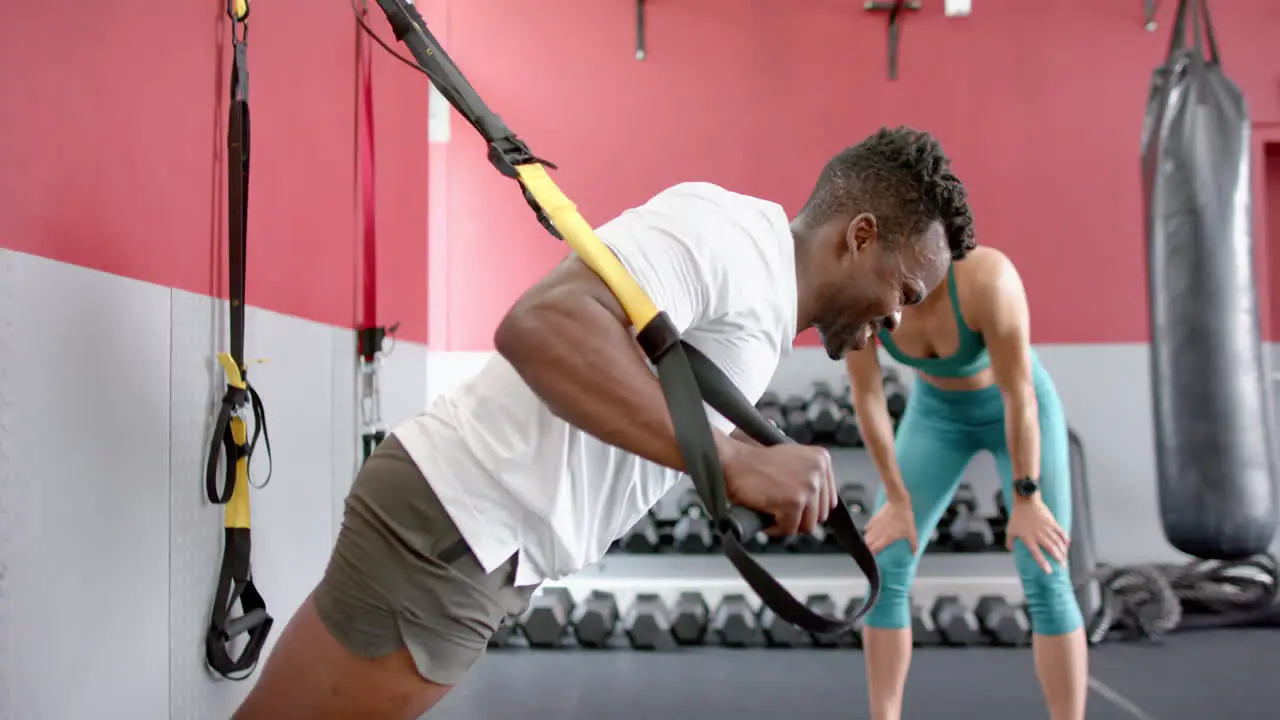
[(401, 575)]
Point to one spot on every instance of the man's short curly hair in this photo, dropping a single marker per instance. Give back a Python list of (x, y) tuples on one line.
[(901, 176)]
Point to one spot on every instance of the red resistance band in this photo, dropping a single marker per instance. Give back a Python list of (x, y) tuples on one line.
[(364, 93)]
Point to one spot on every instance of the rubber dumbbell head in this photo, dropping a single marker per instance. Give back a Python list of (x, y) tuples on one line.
[(794, 421), (955, 622), (824, 605), (965, 530), (848, 434), (547, 621), (965, 498), (923, 632), (806, 543), (778, 632), (594, 621), (854, 495), (734, 622), (1002, 623), (851, 609), (648, 623), (642, 537), (770, 407), (689, 623), (823, 412), (693, 534)]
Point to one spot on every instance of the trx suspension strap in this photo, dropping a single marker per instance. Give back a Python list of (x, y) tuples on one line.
[(369, 335), (894, 8), (231, 439), (688, 377)]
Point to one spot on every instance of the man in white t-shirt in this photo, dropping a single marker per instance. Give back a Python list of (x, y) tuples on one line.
[(529, 471)]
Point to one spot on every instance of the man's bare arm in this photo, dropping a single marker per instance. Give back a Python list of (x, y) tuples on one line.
[(570, 340)]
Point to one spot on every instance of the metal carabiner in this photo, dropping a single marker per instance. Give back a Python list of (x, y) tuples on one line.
[(238, 10)]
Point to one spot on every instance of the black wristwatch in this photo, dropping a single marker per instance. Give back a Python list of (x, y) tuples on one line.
[(1026, 487)]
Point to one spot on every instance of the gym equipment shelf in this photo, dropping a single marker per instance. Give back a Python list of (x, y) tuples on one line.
[(966, 576)]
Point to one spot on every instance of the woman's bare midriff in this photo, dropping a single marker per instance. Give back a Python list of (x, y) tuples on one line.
[(982, 379)]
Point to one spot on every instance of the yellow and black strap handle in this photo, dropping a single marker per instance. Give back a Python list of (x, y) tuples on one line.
[(231, 441), (688, 377)]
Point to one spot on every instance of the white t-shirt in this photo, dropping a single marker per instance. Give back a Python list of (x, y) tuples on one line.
[(516, 478)]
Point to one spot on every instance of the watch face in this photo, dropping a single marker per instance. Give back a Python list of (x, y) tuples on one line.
[(1026, 486)]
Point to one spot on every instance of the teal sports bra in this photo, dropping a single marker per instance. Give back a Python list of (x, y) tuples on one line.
[(969, 359)]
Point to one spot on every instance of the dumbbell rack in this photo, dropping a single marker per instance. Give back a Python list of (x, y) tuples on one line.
[(966, 576)]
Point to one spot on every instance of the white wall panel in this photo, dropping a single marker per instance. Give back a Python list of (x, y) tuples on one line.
[(196, 387), (9, 309), (87, 450)]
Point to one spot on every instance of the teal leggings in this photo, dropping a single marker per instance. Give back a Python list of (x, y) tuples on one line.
[(941, 432)]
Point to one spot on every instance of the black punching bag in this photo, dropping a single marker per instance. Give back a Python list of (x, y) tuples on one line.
[(1212, 415)]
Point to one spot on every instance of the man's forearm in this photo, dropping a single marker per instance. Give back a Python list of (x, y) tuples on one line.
[(1022, 431), (587, 369)]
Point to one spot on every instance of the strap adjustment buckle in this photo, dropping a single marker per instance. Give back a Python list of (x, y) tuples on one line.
[(505, 153), (369, 340)]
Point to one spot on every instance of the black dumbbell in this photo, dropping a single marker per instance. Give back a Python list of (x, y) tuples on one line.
[(689, 625), (546, 623), (643, 537), (955, 623), (854, 495), (795, 423), (851, 608), (824, 605), (648, 623), (999, 522), (848, 434), (502, 635), (759, 543), (1002, 623), (595, 619), (734, 622), (823, 412), (770, 406), (895, 395), (966, 530), (778, 632), (692, 533), (923, 632), (805, 543)]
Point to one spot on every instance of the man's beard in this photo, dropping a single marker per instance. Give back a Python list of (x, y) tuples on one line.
[(842, 338)]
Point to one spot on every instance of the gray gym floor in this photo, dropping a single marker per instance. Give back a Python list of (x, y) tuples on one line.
[(1194, 675)]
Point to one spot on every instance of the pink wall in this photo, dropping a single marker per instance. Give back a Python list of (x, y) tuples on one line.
[(1039, 103), (114, 136)]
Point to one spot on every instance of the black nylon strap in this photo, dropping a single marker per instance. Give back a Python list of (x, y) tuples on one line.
[(235, 582), (687, 376), (720, 393), (1199, 9)]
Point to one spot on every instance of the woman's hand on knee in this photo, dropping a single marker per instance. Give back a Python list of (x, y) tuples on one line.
[(1033, 524), (894, 521)]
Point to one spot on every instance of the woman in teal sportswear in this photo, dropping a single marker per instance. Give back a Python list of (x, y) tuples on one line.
[(981, 387)]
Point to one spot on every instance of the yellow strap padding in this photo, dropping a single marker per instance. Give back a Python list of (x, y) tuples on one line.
[(578, 234), (239, 9), (237, 514), (234, 378)]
